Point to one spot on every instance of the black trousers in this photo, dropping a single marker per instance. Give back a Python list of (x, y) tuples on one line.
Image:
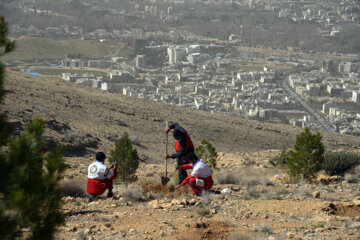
[(181, 161)]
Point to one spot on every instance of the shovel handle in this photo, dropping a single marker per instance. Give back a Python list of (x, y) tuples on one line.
[(166, 148)]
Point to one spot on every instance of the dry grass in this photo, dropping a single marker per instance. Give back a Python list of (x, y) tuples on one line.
[(153, 180), (203, 211), (263, 228), (228, 178), (239, 236), (74, 188), (133, 193), (351, 178)]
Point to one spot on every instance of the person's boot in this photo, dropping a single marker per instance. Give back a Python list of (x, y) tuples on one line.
[(110, 194)]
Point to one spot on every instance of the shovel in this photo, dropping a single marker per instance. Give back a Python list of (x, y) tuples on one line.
[(165, 179)]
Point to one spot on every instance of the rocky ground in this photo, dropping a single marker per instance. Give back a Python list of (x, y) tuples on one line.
[(262, 204)]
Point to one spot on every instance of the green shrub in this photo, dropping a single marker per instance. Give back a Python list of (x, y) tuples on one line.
[(208, 153), (128, 159), (203, 211), (338, 163), (280, 159), (307, 157), (29, 185)]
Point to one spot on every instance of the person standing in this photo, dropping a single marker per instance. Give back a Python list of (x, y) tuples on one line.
[(100, 177), (183, 147), (200, 178)]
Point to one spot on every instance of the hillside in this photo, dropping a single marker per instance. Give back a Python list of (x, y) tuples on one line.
[(263, 202), (31, 48), (85, 119)]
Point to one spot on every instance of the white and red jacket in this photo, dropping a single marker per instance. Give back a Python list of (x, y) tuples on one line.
[(99, 178), (201, 171)]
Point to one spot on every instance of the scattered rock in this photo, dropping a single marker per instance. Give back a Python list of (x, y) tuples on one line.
[(192, 201), (329, 208), (226, 191), (356, 201), (155, 204), (327, 179), (87, 231), (213, 211), (316, 194)]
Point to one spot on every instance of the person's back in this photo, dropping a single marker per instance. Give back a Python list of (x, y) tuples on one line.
[(100, 177)]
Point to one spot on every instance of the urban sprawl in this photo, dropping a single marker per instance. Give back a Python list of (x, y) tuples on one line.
[(317, 89)]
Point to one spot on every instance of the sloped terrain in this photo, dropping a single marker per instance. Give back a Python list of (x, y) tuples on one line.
[(262, 202), (85, 120)]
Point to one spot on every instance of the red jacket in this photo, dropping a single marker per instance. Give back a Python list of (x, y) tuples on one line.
[(208, 181), (189, 143)]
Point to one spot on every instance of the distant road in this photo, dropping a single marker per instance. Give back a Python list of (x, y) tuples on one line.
[(310, 110)]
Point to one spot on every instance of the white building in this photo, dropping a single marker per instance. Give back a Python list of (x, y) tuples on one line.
[(355, 96), (140, 61)]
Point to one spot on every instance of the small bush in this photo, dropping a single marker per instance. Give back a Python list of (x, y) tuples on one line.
[(227, 178), (263, 228), (207, 197), (250, 181), (252, 193), (248, 162), (280, 159), (73, 188), (133, 193), (153, 180), (203, 211), (208, 153), (338, 163), (351, 178)]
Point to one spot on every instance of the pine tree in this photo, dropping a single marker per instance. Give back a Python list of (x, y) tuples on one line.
[(208, 153), (5, 46), (29, 193), (128, 159), (307, 157)]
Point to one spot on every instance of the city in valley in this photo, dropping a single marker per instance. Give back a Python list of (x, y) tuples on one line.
[(293, 62)]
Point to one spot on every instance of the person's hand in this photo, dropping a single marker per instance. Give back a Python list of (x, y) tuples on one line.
[(177, 186), (167, 156), (167, 129), (177, 167)]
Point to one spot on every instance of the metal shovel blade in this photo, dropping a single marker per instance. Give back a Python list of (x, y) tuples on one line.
[(164, 180)]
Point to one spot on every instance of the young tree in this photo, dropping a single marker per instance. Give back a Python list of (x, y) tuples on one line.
[(5, 46), (308, 155), (208, 153), (29, 193), (127, 157)]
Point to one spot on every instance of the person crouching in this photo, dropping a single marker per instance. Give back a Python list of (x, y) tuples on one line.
[(100, 177), (200, 178)]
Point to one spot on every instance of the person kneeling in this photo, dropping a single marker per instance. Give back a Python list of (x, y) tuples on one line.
[(200, 178), (100, 177)]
